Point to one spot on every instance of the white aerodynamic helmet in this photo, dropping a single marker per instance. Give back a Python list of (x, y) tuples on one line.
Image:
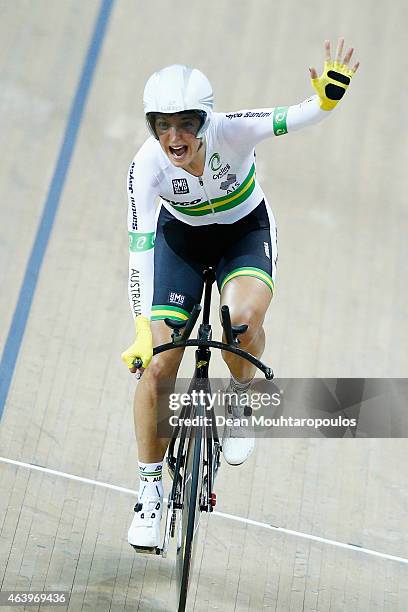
[(175, 89)]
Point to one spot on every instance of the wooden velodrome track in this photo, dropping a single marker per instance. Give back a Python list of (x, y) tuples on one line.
[(338, 191)]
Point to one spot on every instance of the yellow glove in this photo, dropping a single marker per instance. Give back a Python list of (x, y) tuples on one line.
[(332, 84), (142, 347)]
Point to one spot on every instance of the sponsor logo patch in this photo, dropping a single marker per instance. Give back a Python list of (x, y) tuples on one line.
[(176, 298), (231, 178), (215, 162), (257, 114), (131, 196), (248, 114), (222, 172), (180, 186), (234, 115), (177, 204), (266, 247)]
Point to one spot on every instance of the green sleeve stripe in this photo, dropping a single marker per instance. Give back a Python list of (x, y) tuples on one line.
[(280, 114), (139, 241)]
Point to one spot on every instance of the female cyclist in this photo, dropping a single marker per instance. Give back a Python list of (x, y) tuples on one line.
[(201, 165)]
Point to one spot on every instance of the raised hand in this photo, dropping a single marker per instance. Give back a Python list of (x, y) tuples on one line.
[(335, 79)]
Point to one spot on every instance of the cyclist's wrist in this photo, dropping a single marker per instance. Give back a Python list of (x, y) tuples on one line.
[(141, 323)]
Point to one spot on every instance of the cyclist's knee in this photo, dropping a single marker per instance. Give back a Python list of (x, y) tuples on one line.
[(253, 316), (164, 365)]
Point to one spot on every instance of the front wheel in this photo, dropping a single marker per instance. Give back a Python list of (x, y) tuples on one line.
[(189, 516)]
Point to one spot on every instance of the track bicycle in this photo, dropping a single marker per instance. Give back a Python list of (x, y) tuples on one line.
[(193, 456)]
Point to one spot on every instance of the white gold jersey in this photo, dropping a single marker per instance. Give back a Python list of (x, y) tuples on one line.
[(227, 191)]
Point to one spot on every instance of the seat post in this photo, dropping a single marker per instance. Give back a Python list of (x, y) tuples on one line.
[(209, 278)]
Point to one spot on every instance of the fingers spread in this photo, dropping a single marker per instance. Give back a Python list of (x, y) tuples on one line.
[(347, 57), (339, 51), (327, 56)]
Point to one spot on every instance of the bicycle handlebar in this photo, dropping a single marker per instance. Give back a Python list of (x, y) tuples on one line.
[(182, 340), (226, 323), (190, 323), (219, 345), (268, 372)]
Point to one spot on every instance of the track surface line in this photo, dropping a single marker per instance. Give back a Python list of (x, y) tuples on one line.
[(223, 515), (39, 248)]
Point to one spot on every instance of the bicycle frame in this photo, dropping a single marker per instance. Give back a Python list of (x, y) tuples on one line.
[(195, 464), (202, 362)]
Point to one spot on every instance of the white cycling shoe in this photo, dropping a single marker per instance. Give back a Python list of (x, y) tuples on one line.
[(144, 532), (238, 441)]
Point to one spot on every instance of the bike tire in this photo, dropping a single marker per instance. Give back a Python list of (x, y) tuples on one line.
[(189, 516)]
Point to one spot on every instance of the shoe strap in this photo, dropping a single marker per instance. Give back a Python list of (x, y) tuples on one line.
[(149, 505)]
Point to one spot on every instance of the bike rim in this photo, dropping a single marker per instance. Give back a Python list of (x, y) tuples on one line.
[(189, 519)]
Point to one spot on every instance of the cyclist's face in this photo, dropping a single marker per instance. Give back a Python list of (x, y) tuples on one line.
[(177, 136)]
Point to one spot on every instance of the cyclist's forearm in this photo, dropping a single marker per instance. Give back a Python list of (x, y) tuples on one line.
[(140, 282), (247, 128), (304, 114), (142, 193)]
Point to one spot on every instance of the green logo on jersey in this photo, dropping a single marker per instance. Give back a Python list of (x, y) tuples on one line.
[(215, 162), (139, 241), (279, 120)]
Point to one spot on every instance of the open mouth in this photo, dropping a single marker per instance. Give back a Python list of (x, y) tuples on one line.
[(178, 152)]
